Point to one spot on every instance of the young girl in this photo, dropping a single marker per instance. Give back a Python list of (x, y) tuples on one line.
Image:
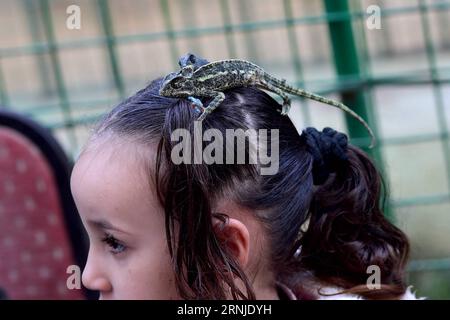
[(161, 230)]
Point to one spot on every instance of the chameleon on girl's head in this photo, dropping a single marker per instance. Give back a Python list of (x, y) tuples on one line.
[(212, 79)]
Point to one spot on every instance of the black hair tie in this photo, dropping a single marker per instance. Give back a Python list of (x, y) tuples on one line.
[(329, 150)]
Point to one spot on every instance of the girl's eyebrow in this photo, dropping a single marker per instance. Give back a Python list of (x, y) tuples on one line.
[(105, 225)]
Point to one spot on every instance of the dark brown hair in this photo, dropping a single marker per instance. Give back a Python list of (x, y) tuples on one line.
[(347, 229)]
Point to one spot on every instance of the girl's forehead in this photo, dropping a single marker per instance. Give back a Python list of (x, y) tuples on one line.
[(110, 182)]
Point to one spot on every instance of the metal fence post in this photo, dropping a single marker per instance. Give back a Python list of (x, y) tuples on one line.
[(58, 73), (346, 61), (108, 30), (347, 64)]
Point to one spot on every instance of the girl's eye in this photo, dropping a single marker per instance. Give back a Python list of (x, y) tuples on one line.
[(115, 245)]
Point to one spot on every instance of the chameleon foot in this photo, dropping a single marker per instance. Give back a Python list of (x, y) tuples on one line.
[(197, 105), (286, 107)]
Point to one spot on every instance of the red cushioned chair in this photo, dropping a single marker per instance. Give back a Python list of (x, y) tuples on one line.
[(40, 230)]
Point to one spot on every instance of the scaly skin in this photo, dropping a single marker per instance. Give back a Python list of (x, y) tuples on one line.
[(211, 79)]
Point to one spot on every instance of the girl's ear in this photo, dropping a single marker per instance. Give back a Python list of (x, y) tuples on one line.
[(234, 236)]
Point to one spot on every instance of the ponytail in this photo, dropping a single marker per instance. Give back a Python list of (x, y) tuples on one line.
[(348, 232)]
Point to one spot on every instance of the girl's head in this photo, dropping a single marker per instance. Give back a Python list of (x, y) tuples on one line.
[(164, 230)]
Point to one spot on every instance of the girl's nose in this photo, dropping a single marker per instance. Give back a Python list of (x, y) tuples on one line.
[(93, 276)]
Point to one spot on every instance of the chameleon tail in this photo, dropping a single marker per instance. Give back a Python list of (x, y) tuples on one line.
[(302, 93)]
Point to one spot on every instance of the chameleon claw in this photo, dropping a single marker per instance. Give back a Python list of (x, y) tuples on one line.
[(205, 112), (286, 107), (202, 117), (197, 105), (284, 111)]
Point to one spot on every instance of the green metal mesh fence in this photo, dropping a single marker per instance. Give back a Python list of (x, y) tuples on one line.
[(397, 77)]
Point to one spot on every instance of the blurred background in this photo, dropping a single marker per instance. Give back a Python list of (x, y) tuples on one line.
[(394, 71)]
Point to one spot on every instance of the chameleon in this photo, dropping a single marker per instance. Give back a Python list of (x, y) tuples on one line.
[(211, 79)]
